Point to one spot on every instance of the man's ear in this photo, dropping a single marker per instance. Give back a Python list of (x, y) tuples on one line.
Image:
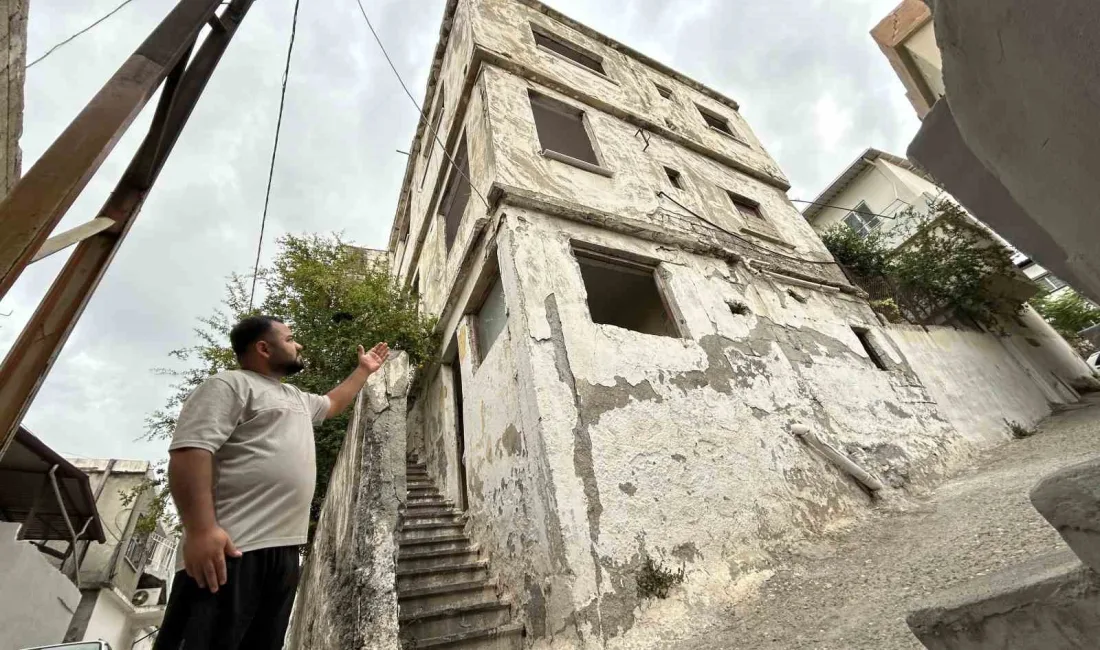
[(264, 348)]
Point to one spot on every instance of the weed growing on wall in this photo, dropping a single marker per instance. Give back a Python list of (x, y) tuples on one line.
[(655, 581)]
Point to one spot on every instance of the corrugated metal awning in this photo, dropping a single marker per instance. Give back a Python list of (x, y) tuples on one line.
[(28, 497)]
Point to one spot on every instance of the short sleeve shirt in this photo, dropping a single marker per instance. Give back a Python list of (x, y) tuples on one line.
[(260, 431)]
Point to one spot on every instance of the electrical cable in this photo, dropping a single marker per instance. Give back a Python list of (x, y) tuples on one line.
[(745, 240), (74, 36), (274, 152), (427, 122), (826, 205)]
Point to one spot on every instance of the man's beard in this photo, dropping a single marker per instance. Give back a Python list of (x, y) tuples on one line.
[(292, 367)]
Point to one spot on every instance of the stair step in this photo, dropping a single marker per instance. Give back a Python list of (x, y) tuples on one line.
[(444, 575), (422, 517), (439, 543), (429, 504), (505, 637), (430, 559), (412, 602), (428, 531), (455, 620)]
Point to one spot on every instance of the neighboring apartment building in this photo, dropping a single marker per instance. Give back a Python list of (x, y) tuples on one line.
[(879, 192), (908, 39), (124, 582), (633, 317)]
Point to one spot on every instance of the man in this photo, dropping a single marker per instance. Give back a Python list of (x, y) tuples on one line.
[(241, 472)]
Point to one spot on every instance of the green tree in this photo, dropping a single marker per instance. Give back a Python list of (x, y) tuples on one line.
[(1068, 313), (335, 297), (947, 263)]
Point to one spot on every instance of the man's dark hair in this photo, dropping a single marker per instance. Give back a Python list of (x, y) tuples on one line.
[(248, 331)]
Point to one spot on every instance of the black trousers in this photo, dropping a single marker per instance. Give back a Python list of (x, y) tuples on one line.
[(249, 612)]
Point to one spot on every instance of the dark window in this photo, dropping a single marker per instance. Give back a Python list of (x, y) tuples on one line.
[(568, 50), (664, 91), (457, 194), (561, 129), (674, 178), (862, 220), (715, 121), (864, 337), (492, 317), (624, 293), (429, 143), (746, 207), (415, 288)]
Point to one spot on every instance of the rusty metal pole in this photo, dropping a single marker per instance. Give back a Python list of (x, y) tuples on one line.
[(41, 198)]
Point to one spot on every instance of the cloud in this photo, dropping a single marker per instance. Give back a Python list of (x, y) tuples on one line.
[(808, 76)]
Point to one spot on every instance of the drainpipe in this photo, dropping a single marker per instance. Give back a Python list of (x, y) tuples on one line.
[(802, 432)]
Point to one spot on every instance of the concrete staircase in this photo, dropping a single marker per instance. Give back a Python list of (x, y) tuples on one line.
[(445, 594)]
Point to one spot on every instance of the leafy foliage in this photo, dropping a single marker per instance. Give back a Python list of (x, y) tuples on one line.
[(335, 297), (1068, 313), (948, 264)]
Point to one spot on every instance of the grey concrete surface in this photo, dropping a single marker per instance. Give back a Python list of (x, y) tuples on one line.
[(1070, 500), (853, 588)]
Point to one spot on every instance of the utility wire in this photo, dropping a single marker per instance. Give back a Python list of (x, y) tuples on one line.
[(826, 205), (74, 36), (274, 151), (423, 116), (745, 240)]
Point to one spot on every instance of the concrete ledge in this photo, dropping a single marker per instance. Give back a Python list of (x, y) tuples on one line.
[(1049, 603), (1070, 500)]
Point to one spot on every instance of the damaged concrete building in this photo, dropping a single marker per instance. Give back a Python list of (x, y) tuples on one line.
[(635, 319)]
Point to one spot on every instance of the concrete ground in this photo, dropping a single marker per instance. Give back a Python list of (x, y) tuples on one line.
[(853, 589)]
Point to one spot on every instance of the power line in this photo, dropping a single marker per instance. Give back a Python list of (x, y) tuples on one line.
[(423, 116), (74, 36), (745, 240), (826, 205), (274, 151)]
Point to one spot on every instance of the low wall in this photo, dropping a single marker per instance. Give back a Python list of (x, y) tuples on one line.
[(36, 600), (979, 381), (347, 596)]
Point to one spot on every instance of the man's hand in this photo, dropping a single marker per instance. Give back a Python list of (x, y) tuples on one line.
[(373, 359), (204, 556)]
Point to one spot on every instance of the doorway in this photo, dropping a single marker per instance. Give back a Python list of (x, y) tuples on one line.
[(460, 434)]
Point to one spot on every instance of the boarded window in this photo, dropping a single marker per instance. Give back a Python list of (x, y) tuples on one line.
[(864, 337), (457, 194), (561, 129), (625, 294), (674, 178), (567, 50), (746, 207), (664, 91), (492, 317), (715, 121)]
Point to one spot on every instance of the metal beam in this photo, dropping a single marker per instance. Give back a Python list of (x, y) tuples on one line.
[(72, 237), (37, 202), (33, 354)]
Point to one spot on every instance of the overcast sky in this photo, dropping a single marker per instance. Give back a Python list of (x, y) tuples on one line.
[(807, 74)]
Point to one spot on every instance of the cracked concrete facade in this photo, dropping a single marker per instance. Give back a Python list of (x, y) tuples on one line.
[(589, 446), (13, 44)]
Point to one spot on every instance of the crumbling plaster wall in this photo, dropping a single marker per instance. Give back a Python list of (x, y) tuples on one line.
[(13, 45), (679, 448)]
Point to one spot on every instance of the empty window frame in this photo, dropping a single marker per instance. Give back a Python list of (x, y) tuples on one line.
[(457, 194), (1049, 283), (427, 147), (864, 337), (567, 50), (674, 178), (862, 220), (561, 129), (716, 121), (664, 91), (746, 207), (492, 318), (624, 293)]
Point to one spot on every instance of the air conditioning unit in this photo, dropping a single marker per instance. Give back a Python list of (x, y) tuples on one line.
[(145, 597)]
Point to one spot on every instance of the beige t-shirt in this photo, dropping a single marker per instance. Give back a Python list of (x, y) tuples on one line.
[(260, 431)]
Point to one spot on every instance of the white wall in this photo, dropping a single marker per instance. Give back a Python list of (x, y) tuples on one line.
[(110, 621), (36, 600), (926, 55)]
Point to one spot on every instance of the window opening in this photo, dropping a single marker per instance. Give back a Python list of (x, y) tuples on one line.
[(565, 49), (746, 207), (862, 220), (492, 317), (664, 91), (864, 337), (561, 129), (456, 196), (716, 121), (625, 294), (674, 178)]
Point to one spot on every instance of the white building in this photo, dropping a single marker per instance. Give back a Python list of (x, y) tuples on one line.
[(875, 194)]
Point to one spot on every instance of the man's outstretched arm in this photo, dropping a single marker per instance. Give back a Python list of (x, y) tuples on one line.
[(370, 361), (191, 482)]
